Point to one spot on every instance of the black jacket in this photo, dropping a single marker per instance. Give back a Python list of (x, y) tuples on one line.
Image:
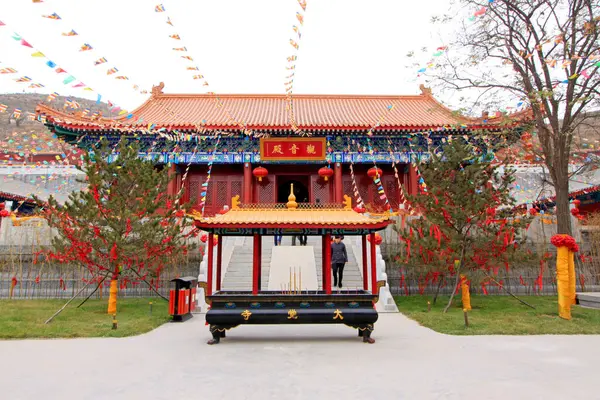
[(338, 253)]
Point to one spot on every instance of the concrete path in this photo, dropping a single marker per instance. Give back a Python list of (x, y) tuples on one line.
[(302, 362)]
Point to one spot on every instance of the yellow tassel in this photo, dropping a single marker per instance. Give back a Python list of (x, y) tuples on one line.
[(562, 282), (466, 296), (112, 300), (572, 278)]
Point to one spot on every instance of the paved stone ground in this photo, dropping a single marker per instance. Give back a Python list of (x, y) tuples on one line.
[(302, 362)]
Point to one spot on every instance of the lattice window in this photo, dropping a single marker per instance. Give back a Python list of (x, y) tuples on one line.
[(347, 188), (391, 190), (320, 190), (364, 183), (194, 191), (221, 197), (236, 189), (266, 191)]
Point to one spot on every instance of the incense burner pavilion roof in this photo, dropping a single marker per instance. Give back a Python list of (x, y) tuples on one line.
[(269, 112), (281, 216)]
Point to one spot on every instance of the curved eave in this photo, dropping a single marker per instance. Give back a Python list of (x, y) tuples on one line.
[(208, 226)]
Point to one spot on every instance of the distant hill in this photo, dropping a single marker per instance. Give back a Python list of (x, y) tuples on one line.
[(26, 136)]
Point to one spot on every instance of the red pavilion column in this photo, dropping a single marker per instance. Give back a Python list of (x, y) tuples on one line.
[(365, 263), (338, 184), (412, 180), (323, 262), (256, 257), (219, 258), (247, 198), (209, 267), (373, 264), (327, 272)]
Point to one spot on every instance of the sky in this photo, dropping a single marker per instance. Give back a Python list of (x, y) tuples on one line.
[(240, 46)]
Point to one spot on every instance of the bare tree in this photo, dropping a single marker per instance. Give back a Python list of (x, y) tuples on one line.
[(542, 53)]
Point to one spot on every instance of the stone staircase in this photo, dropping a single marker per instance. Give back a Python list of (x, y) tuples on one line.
[(589, 300), (352, 276), (239, 270)]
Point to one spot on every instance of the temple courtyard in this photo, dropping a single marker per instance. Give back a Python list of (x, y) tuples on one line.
[(302, 362)]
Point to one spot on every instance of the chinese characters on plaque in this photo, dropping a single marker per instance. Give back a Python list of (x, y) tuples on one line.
[(300, 149)]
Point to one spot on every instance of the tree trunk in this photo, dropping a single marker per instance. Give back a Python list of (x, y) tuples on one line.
[(563, 212), (112, 299), (437, 290)]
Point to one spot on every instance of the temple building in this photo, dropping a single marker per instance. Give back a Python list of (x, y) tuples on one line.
[(257, 153)]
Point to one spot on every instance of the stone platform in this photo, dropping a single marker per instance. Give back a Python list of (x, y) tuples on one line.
[(590, 300)]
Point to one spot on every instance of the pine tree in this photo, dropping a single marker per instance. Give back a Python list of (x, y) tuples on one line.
[(125, 224), (466, 222)]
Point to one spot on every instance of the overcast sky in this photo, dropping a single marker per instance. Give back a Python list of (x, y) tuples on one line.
[(240, 46)]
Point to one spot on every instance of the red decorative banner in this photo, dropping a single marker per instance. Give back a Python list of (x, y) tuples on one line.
[(292, 149)]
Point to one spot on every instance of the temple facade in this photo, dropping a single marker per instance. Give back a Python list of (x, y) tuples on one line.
[(251, 149)]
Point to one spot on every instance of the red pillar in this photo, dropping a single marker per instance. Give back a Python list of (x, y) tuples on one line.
[(209, 267), (323, 262), (373, 265), (365, 264), (327, 274), (219, 257), (247, 197), (338, 185), (172, 185), (412, 180), (259, 262), (256, 256)]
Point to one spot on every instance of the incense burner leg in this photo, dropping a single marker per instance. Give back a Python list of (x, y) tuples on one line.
[(366, 334), (216, 334)]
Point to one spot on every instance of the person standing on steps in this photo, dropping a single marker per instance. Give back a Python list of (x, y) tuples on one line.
[(339, 258)]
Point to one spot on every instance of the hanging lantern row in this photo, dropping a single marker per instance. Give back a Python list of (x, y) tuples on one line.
[(374, 173), (260, 172), (326, 173)]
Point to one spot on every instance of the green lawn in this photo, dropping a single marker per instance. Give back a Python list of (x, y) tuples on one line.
[(21, 319), (500, 315)]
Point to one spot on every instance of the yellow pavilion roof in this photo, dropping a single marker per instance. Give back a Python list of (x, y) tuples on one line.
[(301, 216)]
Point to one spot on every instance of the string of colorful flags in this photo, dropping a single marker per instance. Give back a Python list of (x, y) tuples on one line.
[(291, 68), (196, 72), (204, 189)]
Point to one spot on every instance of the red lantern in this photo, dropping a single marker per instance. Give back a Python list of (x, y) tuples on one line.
[(325, 173), (378, 239), (533, 211), (204, 238), (360, 210), (575, 212), (4, 213), (374, 173), (576, 203), (260, 172)]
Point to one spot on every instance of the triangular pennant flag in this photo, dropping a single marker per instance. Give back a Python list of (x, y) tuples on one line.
[(50, 64), (25, 43), (38, 54), (59, 70)]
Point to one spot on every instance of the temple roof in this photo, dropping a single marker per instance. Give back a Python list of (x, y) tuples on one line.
[(268, 111)]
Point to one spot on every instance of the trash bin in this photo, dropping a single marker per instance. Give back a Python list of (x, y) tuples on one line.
[(182, 299)]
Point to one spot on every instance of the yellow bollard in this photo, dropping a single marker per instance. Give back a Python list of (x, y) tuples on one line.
[(112, 300), (572, 278), (562, 282), (566, 247), (466, 296)]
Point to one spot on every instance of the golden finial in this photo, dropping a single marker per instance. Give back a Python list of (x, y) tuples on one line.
[(291, 204)]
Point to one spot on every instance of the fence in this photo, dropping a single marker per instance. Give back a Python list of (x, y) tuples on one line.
[(21, 278), (535, 278)]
